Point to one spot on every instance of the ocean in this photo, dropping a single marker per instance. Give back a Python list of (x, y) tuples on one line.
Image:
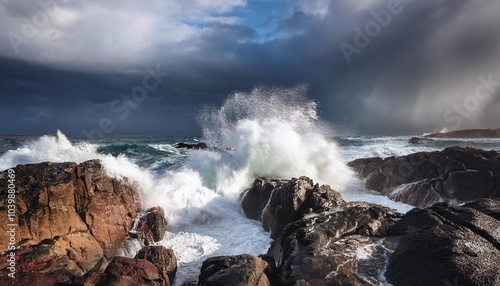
[(200, 189)]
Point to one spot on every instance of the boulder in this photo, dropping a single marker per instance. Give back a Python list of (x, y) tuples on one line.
[(150, 226), (447, 245), (129, 271), (422, 179), (237, 270), (255, 198), (164, 259), (343, 246), (281, 202), (68, 216)]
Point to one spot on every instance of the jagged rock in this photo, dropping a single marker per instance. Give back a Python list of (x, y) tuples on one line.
[(129, 271), (447, 245), (237, 270), (164, 259), (344, 246), (422, 179), (151, 226), (255, 198), (287, 202), (196, 146), (68, 215)]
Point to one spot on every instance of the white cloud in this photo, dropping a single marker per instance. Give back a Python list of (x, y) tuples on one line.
[(109, 34)]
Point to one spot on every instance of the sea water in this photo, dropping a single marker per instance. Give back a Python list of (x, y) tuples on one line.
[(268, 132)]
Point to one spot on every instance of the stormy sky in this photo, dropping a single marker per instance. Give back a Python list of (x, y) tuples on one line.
[(134, 67)]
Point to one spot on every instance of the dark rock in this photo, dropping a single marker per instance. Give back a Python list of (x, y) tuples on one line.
[(344, 246), (443, 245), (418, 140), (469, 133), (164, 259), (422, 179), (287, 202), (255, 199), (69, 216), (151, 226), (237, 270), (196, 146)]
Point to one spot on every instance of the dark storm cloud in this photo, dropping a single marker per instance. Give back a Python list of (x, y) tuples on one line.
[(413, 71)]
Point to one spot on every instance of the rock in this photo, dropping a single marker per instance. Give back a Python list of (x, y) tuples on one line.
[(196, 146), (447, 245), (281, 202), (255, 198), (425, 178), (69, 216), (152, 265), (344, 246), (469, 133), (237, 270), (130, 271), (51, 278), (151, 226), (164, 259), (418, 140)]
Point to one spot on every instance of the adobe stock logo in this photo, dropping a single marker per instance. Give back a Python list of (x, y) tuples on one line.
[(363, 37), (459, 111)]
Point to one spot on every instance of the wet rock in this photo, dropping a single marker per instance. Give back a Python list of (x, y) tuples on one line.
[(418, 140), (422, 179), (255, 198), (151, 226), (237, 270), (164, 259), (130, 271), (343, 246), (196, 146), (284, 201), (68, 217), (447, 245)]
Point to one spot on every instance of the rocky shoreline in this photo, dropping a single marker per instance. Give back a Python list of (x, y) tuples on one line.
[(73, 220)]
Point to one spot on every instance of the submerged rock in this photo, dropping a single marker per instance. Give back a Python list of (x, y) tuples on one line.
[(455, 174), (196, 146), (419, 140), (238, 270)]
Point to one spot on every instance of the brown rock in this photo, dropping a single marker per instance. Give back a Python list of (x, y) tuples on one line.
[(68, 217), (237, 270), (151, 226), (129, 271), (164, 259)]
